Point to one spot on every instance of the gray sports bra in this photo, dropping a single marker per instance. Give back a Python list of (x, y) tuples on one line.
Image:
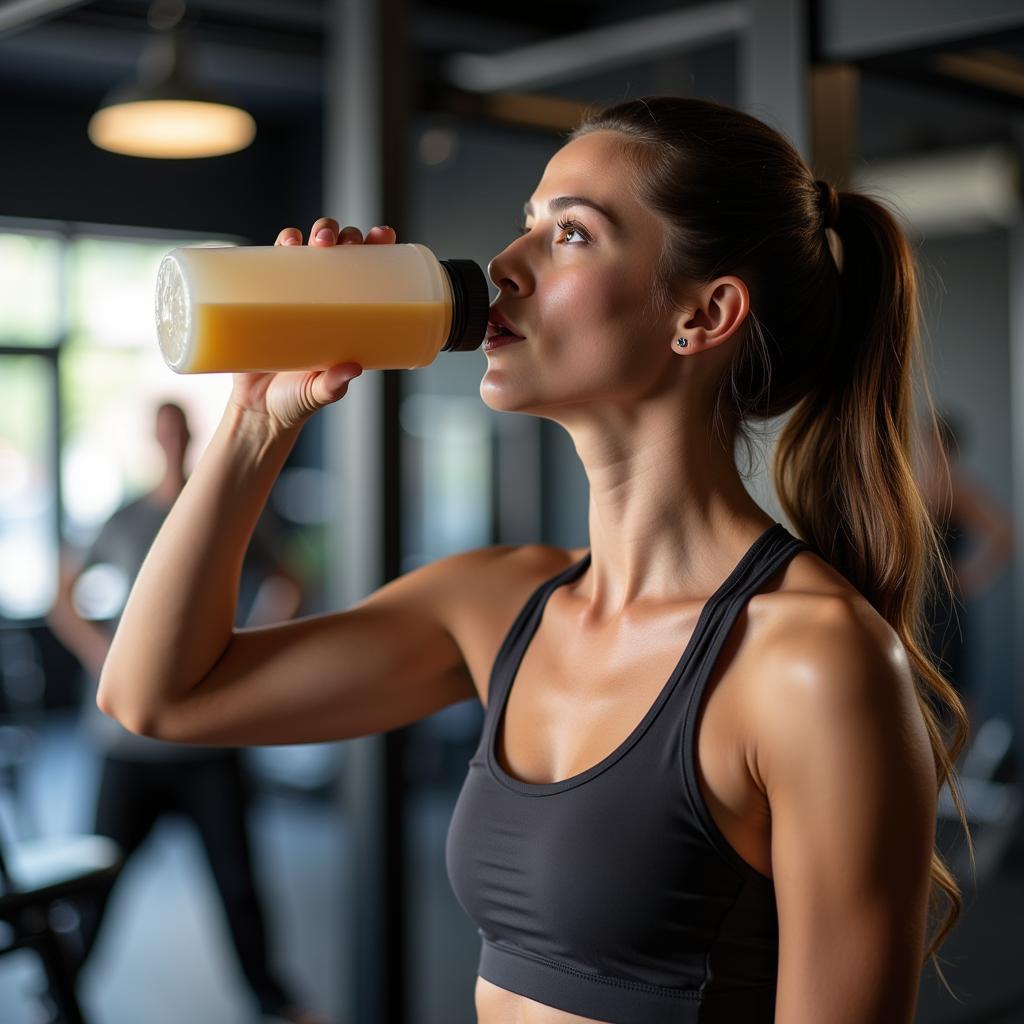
[(613, 894)]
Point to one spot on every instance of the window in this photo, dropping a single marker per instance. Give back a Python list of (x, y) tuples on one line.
[(78, 349), (27, 512), (30, 272)]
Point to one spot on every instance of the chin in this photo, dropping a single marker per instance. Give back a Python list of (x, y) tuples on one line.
[(500, 399), (510, 400), (505, 397)]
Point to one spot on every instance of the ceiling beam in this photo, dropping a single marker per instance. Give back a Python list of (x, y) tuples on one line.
[(20, 14), (97, 58), (570, 57), (874, 28)]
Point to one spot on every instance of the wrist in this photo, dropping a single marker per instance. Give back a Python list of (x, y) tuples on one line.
[(257, 431)]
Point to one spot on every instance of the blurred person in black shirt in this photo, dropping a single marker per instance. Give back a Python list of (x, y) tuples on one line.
[(141, 778)]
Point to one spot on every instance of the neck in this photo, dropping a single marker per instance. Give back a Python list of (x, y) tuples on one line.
[(669, 515)]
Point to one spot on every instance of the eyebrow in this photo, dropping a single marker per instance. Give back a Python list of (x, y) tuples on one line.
[(562, 202)]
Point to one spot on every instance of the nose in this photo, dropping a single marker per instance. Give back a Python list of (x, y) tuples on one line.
[(508, 272), (496, 272)]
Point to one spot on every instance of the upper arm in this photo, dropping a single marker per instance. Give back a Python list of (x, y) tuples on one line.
[(387, 661), (844, 758)]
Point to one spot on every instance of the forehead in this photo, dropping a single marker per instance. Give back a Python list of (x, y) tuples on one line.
[(595, 165)]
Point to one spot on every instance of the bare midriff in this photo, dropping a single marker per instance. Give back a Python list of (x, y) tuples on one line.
[(496, 1005)]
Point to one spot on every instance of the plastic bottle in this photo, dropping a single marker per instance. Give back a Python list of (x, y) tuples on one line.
[(298, 307)]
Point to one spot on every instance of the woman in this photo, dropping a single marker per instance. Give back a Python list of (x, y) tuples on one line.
[(740, 832)]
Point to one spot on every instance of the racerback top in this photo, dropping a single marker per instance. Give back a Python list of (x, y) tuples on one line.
[(613, 894)]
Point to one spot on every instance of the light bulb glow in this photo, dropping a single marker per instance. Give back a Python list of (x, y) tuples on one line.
[(172, 129)]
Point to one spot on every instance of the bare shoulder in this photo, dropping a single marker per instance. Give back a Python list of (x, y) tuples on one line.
[(480, 592), (492, 580), (458, 588), (821, 656), (839, 747), (490, 572)]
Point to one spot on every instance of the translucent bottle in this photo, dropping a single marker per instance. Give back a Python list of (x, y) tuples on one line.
[(299, 307)]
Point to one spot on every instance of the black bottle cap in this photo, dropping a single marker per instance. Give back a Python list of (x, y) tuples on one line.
[(471, 303)]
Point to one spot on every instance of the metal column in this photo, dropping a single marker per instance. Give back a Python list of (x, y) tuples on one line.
[(1016, 282), (774, 71), (774, 86), (366, 112)]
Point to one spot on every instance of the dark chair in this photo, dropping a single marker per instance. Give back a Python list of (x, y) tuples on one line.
[(994, 807), (18, 747), (34, 875)]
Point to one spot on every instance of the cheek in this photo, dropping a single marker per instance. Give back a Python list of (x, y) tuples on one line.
[(594, 337), (602, 315)]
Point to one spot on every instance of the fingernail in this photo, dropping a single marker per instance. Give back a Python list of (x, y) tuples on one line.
[(325, 235), (290, 240)]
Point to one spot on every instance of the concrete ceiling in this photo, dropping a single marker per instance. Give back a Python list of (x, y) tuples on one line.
[(269, 54)]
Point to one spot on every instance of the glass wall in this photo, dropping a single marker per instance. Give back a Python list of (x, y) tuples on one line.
[(80, 376)]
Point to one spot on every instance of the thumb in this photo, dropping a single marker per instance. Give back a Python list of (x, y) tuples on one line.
[(333, 382)]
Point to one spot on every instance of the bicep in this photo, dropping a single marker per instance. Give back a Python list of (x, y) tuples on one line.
[(386, 662), (849, 775)]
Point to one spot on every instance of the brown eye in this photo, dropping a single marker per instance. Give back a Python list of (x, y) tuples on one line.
[(570, 226)]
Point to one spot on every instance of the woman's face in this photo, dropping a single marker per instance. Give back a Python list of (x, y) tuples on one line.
[(577, 284)]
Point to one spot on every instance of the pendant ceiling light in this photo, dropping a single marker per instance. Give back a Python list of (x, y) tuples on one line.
[(164, 112)]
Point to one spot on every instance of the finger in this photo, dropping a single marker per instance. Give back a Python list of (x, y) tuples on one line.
[(350, 236), (324, 231), (332, 384), (289, 236), (381, 235)]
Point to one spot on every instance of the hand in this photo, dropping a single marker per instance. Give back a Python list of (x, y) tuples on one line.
[(287, 399)]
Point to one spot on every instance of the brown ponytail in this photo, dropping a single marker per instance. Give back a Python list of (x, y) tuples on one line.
[(844, 471), (839, 351)]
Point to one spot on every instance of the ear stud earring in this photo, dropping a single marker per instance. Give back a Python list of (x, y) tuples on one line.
[(682, 342)]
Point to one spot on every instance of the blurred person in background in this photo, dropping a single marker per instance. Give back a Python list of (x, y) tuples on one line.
[(142, 779), (978, 540)]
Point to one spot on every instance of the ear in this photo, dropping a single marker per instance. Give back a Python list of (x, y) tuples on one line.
[(715, 313)]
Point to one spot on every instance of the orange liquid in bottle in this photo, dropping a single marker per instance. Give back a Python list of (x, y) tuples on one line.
[(251, 336)]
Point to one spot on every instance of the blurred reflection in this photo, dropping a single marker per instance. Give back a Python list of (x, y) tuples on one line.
[(978, 536), (141, 778)]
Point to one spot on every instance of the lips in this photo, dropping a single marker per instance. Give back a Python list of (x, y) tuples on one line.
[(499, 324)]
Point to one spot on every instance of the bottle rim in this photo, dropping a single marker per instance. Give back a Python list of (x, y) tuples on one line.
[(470, 305)]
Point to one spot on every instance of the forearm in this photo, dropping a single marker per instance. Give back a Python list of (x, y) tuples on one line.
[(87, 641), (180, 613)]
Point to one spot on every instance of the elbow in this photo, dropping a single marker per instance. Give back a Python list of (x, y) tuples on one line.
[(103, 697), (132, 719)]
